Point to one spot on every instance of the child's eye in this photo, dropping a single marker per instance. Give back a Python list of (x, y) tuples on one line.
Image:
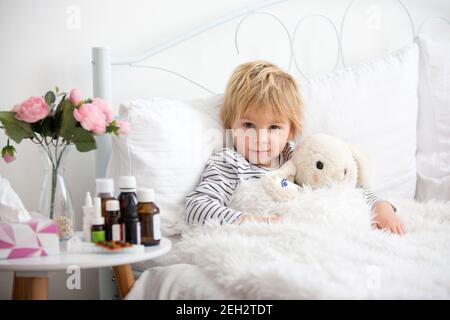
[(274, 127), (248, 125)]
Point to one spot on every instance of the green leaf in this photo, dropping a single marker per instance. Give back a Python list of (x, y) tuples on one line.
[(48, 127), (50, 97), (65, 120), (62, 101), (83, 140), (15, 129), (113, 128)]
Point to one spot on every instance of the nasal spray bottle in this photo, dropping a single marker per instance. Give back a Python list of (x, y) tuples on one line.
[(88, 214)]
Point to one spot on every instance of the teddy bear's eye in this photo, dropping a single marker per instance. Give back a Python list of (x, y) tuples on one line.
[(345, 172), (319, 165)]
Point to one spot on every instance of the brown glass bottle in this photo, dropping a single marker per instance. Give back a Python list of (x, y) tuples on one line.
[(128, 209), (149, 217), (104, 190), (113, 221)]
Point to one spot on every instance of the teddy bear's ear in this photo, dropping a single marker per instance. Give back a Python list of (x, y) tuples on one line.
[(287, 171), (365, 167)]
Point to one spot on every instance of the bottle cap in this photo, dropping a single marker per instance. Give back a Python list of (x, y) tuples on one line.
[(112, 205), (146, 195), (104, 186), (127, 182), (97, 218)]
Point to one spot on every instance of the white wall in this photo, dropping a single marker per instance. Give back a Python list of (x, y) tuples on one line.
[(43, 43)]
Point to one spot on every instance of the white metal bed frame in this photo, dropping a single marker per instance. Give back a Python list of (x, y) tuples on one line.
[(102, 62)]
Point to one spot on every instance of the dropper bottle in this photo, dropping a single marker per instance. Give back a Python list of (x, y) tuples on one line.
[(98, 222)]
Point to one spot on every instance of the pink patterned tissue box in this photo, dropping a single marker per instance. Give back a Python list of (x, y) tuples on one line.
[(33, 238)]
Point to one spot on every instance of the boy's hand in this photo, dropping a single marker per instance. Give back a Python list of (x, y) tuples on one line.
[(384, 217), (258, 218)]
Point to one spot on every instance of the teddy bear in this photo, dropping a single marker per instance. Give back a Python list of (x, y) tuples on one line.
[(319, 161)]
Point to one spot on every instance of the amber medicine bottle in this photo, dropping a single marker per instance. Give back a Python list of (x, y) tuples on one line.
[(149, 217)]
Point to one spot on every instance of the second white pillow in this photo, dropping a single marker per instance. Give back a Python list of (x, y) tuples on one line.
[(374, 106)]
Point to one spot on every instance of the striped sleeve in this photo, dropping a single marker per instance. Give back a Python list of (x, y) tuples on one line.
[(210, 199), (288, 150), (372, 199)]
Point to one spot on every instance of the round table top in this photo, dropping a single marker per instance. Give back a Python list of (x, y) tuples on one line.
[(84, 260)]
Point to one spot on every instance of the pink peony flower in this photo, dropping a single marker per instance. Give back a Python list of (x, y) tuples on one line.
[(31, 110), (8, 154), (75, 97), (103, 106), (91, 118), (124, 127)]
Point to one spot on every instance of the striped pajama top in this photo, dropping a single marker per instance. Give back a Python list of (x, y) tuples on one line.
[(223, 173)]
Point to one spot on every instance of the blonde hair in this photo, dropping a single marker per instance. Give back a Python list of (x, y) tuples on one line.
[(262, 84)]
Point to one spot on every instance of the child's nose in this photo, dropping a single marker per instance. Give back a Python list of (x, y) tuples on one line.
[(263, 135)]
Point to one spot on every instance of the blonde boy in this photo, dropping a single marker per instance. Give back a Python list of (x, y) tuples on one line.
[(263, 109)]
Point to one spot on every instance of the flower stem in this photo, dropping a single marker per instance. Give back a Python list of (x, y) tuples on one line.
[(45, 145), (54, 155), (52, 200)]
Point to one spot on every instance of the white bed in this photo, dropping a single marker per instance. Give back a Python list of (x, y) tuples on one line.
[(318, 44)]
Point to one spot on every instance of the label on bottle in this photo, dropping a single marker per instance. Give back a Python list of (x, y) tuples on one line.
[(138, 232), (97, 236), (116, 232), (156, 227)]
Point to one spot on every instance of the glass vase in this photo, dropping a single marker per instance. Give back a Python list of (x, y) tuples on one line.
[(55, 200)]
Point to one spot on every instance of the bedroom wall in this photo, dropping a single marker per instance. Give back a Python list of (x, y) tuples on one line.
[(46, 43)]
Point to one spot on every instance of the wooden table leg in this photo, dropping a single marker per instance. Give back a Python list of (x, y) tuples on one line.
[(125, 279), (30, 288)]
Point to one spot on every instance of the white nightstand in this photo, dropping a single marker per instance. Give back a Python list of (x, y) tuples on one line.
[(31, 274)]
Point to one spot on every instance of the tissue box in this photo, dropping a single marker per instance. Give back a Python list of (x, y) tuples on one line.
[(33, 238)]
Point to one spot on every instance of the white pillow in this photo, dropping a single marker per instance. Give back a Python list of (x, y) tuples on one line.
[(166, 150), (373, 106), (433, 154)]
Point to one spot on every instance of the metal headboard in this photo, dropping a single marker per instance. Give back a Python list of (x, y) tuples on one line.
[(102, 60)]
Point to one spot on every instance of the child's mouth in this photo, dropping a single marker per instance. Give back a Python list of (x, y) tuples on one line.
[(260, 154), (259, 151)]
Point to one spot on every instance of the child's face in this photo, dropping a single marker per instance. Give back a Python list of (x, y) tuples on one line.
[(260, 136)]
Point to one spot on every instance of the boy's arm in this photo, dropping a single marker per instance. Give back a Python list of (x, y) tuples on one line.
[(372, 200), (384, 214), (209, 200), (201, 207)]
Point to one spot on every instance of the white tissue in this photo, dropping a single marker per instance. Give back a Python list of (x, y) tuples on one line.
[(11, 207)]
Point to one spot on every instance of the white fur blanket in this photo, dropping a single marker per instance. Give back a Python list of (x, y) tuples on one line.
[(324, 249)]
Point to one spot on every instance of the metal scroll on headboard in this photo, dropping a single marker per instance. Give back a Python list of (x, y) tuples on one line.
[(102, 60)]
